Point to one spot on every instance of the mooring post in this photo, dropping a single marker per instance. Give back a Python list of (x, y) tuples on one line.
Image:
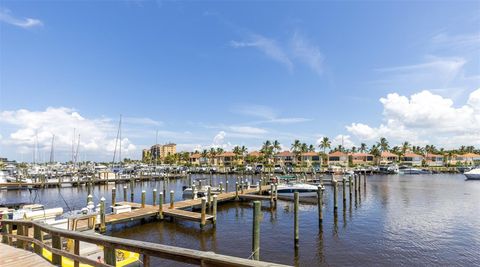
[(256, 230), (236, 190), (154, 197), (194, 192), (160, 206), (103, 227), (242, 185), (359, 183), (214, 209), (271, 194), (209, 197), (172, 199), (125, 193), (221, 187), (276, 193), (89, 199), (320, 204), (350, 183), (295, 220), (204, 210), (143, 198), (335, 192), (226, 186), (344, 193), (114, 197), (259, 187), (164, 190), (365, 180), (132, 193)]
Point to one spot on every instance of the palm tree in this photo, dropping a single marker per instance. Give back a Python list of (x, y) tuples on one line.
[(405, 147), (237, 152), (324, 144), (204, 154), (311, 148), (363, 147), (383, 144), (276, 146), (296, 148), (212, 154)]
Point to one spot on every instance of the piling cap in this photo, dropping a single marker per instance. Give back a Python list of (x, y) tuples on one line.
[(124, 187), (171, 192), (214, 196), (90, 196), (102, 199), (155, 190)]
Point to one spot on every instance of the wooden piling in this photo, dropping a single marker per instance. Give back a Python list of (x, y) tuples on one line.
[(57, 244), (114, 196), (276, 192), (335, 192), (295, 219), (344, 193), (214, 210), (320, 204), (194, 192), (256, 230), (103, 227), (125, 193), (89, 199), (221, 187), (259, 187), (154, 197), (271, 194), (109, 255), (236, 190), (350, 184), (160, 206), (172, 199), (226, 186), (209, 197), (5, 229), (203, 211), (143, 198)]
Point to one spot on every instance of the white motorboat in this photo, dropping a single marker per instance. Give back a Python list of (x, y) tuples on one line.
[(304, 190), (473, 174)]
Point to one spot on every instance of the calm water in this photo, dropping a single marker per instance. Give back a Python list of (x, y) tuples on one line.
[(398, 220)]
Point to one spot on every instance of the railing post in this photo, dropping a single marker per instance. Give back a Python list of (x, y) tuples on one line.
[(76, 251), (204, 210), (19, 233), (37, 234), (154, 197), (214, 209), (5, 227), (103, 227), (160, 206), (56, 243), (256, 230), (109, 255), (172, 199)]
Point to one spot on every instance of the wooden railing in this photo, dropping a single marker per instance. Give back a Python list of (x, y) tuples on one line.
[(22, 239)]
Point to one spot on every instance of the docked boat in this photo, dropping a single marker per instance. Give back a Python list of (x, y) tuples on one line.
[(304, 190), (411, 170), (388, 169), (473, 174)]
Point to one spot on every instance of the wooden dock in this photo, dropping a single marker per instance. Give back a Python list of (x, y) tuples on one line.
[(180, 208), (13, 257)]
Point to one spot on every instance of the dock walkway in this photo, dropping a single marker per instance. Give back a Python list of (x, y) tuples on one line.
[(14, 257)]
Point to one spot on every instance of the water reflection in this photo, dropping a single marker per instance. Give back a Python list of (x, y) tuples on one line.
[(393, 220)]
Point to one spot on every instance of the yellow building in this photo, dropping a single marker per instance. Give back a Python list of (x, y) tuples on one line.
[(161, 151)]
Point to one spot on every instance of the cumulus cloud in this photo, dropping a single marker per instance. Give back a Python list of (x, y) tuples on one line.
[(96, 135), (7, 17), (344, 140), (425, 117)]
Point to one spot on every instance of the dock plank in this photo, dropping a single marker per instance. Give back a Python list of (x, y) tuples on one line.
[(11, 257)]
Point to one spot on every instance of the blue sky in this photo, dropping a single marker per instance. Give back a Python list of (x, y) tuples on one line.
[(228, 73)]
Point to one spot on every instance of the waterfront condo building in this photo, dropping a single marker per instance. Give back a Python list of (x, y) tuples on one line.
[(434, 160), (388, 157), (337, 158), (161, 151), (412, 159), (465, 159), (362, 158)]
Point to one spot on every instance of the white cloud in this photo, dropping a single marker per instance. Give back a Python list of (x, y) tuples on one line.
[(248, 130), (96, 135), (268, 46), (444, 40), (425, 117), (307, 53), (142, 121), (344, 140), (7, 17)]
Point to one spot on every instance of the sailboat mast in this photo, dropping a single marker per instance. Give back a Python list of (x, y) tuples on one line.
[(52, 150), (120, 139)]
